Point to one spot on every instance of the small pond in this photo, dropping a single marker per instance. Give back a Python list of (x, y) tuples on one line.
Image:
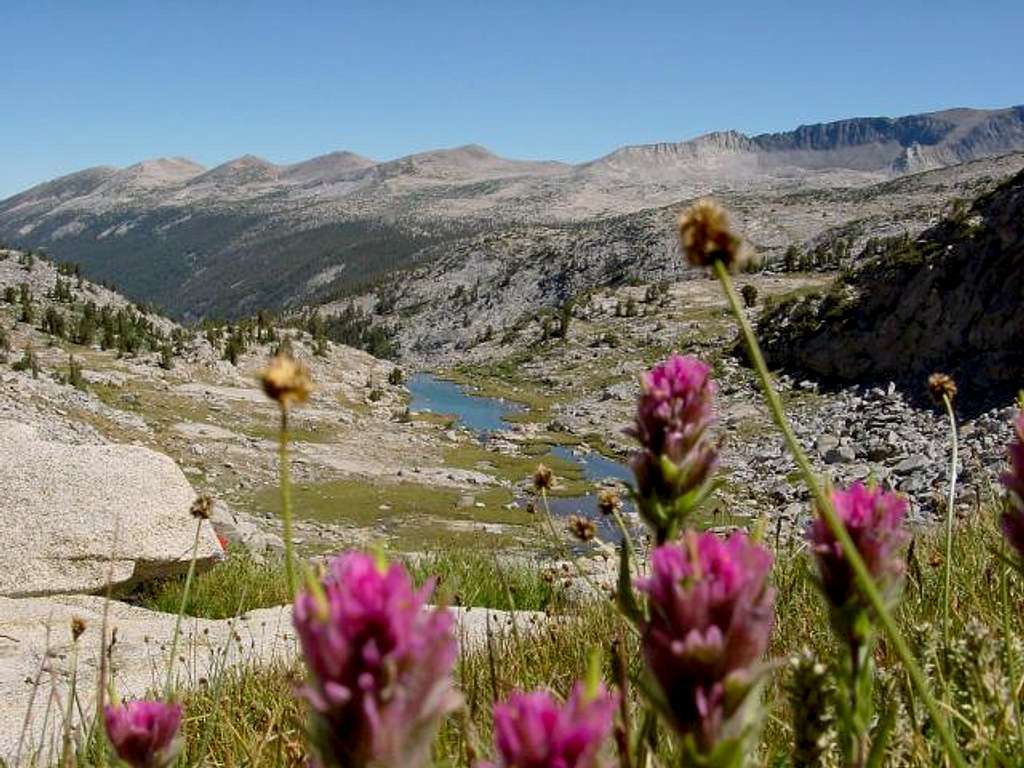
[(483, 415), (479, 414)]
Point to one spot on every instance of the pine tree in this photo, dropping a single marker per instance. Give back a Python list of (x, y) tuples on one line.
[(166, 357), (75, 373)]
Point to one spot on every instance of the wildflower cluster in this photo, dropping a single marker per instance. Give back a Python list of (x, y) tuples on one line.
[(532, 730), (144, 734), (874, 520), (711, 616), (709, 607)]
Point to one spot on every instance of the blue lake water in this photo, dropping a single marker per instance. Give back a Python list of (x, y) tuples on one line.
[(595, 466), (480, 414), (483, 415)]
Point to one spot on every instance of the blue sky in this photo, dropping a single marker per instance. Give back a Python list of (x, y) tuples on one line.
[(90, 83)]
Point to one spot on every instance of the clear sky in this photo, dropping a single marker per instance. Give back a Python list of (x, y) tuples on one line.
[(90, 83)]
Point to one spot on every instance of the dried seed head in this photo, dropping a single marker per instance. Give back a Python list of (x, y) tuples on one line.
[(940, 386), (581, 527), (608, 501), (286, 380), (706, 236), (543, 478), (77, 627), (202, 507)]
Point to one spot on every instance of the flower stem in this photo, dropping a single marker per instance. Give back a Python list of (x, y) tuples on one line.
[(1009, 650), (68, 757), (565, 551), (949, 522), (286, 503), (181, 610), (835, 524)]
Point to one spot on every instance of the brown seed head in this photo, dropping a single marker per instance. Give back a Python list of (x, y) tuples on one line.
[(286, 380), (202, 507), (581, 527), (941, 385), (543, 478), (706, 236), (77, 627), (608, 501)]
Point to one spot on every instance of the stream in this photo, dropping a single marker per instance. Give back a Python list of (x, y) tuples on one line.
[(485, 415)]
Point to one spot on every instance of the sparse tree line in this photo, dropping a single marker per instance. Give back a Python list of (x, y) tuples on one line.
[(124, 329), (829, 255), (352, 327)]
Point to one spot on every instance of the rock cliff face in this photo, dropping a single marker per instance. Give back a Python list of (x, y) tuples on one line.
[(951, 300)]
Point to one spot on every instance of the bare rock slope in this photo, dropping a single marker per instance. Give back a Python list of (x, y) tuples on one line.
[(949, 300)]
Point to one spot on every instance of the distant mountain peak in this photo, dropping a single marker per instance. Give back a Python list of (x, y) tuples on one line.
[(162, 170), (249, 232), (241, 170), (334, 166)]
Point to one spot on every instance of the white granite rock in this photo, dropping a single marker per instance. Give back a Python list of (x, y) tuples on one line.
[(61, 504)]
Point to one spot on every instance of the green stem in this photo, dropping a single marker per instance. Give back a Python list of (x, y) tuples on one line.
[(1010, 650), (834, 523), (565, 551), (286, 504), (181, 610), (67, 758), (947, 588), (626, 538)]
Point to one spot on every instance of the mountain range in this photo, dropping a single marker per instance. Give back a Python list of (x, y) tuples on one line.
[(250, 234)]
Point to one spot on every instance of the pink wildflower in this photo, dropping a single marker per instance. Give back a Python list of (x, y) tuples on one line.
[(874, 520), (380, 664), (144, 734), (674, 412), (531, 730), (1013, 480), (711, 617)]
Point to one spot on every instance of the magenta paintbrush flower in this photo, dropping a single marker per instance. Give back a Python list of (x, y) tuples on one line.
[(711, 617), (144, 734), (677, 456), (380, 664), (1013, 480), (874, 520), (532, 730)]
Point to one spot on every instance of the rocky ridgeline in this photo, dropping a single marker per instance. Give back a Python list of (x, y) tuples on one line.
[(467, 290), (250, 234)]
